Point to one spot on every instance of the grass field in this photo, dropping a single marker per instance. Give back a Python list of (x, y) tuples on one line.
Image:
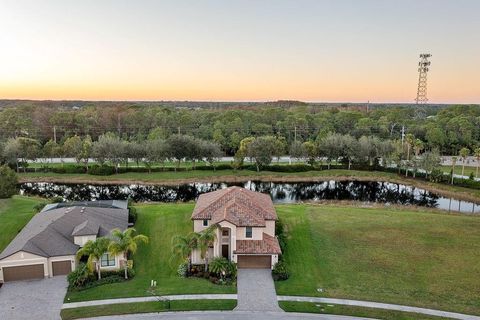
[(309, 307), (142, 307), (412, 258), (14, 215), (153, 261), (458, 170)]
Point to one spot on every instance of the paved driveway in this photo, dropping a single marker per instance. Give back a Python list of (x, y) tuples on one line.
[(256, 291), (35, 299), (231, 315)]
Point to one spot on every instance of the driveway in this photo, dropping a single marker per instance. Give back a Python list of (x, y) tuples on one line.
[(256, 291), (231, 315), (35, 299)]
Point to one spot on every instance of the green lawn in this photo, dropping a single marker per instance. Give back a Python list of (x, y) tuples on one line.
[(142, 307), (309, 307), (14, 215), (396, 256), (153, 261)]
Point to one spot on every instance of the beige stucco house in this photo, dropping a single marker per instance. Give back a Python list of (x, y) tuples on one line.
[(48, 244), (246, 221)]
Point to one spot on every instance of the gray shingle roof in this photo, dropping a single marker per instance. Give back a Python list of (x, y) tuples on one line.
[(51, 233)]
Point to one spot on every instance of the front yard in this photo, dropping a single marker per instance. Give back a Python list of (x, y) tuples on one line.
[(153, 261), (386, 255)]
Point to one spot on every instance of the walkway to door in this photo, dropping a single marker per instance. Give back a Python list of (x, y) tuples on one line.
[(256, 291)]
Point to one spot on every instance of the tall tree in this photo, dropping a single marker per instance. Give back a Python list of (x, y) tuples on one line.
[(477, 156), (464, 152), (8, 182)]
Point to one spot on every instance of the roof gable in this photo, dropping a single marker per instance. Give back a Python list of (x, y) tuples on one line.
[(236, 205)]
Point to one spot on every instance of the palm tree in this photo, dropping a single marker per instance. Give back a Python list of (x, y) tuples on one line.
[(124, 243), (464, 152), (182, 246), (205, 241), (477, 155), (94, 250), (418, 147), (454, 162), (410, 139)]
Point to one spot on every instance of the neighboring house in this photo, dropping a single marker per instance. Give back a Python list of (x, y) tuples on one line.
[(47, 245), (246, 232)]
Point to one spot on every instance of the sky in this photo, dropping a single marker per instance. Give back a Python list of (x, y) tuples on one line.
[(259, 50)]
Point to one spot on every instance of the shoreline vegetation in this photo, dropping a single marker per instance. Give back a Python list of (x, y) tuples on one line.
[(241, 176)]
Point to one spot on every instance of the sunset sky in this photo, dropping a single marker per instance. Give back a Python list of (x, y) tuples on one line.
[(342, 50)]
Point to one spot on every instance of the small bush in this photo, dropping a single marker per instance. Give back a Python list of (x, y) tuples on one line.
[(182, 270), (104, 170), (280, 271), (132, 214), (39, 206), (80, 277), (8, 182)]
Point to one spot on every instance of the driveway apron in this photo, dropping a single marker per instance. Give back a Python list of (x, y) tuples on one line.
[(35, 299), (256, 291)]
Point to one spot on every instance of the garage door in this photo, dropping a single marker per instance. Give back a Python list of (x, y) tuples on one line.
[(61, 267), (254, 262), (34, 271)]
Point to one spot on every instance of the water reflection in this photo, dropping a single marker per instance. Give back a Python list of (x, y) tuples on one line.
[(366, 191)]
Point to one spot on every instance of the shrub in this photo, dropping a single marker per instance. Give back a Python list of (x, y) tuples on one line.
[(8, 182), (182, 270), (80, 276), (103, 170), (280, 271), (39, 206), (132, 214), (223, 267)]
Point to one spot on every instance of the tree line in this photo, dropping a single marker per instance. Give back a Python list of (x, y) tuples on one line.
[(447, 129)]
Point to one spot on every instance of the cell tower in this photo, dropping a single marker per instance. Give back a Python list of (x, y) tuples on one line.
[(423, 67)]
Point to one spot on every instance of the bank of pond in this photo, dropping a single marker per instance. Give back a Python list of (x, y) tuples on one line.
[(363, 191)]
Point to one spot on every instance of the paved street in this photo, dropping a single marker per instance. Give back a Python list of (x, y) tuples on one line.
[(32, 300), (256, 291), (231, 315)]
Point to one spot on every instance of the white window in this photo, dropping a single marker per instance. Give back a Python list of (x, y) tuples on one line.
[(107, 260), (205, 222)]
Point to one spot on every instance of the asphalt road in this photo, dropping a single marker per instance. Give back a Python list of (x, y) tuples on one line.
[(230, 315)]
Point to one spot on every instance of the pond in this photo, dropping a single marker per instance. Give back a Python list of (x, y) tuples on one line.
[(364, 191)]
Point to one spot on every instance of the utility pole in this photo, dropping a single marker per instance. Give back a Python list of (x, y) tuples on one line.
[(55, 134), (295, 134), (178, 130), (403, 134)]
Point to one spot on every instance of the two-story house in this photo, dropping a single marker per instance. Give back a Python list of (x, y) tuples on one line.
[(246, 227)]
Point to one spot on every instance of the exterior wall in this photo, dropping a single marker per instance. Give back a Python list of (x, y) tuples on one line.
[(198, 225), (60, 258), (274, 259), (196, 256), (270, 227), (81, 240), (257, 233), (22, 258)]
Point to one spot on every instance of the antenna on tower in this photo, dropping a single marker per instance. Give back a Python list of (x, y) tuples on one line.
[(423, 68)]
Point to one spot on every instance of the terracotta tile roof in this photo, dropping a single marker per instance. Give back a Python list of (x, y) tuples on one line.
[(236, 205), (269, 245)]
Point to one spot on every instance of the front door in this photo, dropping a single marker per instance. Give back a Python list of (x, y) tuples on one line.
[(225, 251)]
